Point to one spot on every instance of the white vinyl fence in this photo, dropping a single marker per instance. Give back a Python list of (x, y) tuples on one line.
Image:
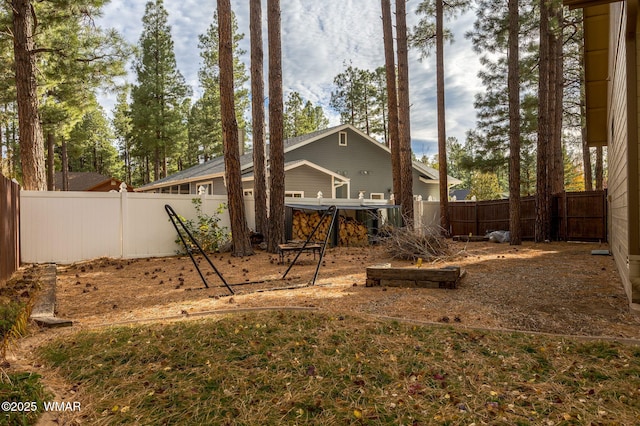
[(426, 214), (67, 227)]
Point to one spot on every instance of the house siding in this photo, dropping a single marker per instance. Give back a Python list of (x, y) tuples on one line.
[(632, 286), (623, 157), (368, 167), (617, 150), (426, 190), (365, 163), (308, 180)]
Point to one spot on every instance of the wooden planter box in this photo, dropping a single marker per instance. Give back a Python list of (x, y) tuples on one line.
[(385, 275)]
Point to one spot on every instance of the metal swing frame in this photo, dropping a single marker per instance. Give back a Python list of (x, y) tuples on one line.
[(178, 223)]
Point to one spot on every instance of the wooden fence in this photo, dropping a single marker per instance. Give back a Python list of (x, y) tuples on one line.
[(576, 216), (580, 216), (9, 227)]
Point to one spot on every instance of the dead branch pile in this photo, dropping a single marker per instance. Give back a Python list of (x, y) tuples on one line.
[(407, 244)]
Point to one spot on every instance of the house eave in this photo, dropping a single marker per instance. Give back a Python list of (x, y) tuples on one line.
[(154, 186), (596, 65), (576, 4)]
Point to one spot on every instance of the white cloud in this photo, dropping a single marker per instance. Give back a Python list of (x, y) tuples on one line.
[(318, 37)]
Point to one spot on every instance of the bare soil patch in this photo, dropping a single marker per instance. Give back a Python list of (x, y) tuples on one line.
[(555, 288)]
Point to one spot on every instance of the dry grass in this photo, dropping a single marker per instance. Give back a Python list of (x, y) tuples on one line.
[(292, 368)]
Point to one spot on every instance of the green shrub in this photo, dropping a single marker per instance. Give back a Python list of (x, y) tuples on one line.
[(8, 315), (206, 229), (18, 388)]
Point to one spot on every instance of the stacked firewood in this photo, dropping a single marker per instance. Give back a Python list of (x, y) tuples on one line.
[(351, 233)]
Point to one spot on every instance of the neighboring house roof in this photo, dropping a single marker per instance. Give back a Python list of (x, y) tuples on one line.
[(89, 181), (215, 167), (460, 194)]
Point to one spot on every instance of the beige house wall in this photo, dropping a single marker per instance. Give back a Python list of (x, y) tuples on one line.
[(617, 150)]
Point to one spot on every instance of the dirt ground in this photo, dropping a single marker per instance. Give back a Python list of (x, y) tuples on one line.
[(558, 288), (555, 288)]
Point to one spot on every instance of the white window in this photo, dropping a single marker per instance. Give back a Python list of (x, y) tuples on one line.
[(208, 187), (376, 196), (342, 139), (294, 194), (248, 192)]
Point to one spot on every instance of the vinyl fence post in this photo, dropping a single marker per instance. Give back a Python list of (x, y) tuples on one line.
[(123, 218)]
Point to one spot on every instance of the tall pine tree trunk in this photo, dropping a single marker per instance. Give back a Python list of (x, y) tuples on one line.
[(127, 162), (556, 91), (513, 83), (156, 161), (50, 161), (239, 230), (65, 166), (599, 169), (276, 129), (442, 130), (31, 137), (543, 189), (3, 162), (404, 125), (257, 116), (392, 97), (586, 152)]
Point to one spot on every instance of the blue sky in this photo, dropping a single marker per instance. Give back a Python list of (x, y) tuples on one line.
[(317, 38)]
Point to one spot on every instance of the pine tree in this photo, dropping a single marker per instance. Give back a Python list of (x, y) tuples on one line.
[(239, 230), (488, 143), (257, 116), (122, 130), (404, 126), (207, 117), (301, 118), (574, 106), (73, 58), (426, 35), (156, 108), (485, 186), (90, 147), (31, 136), (276, 128), (544, 153), (513, 84), (392, 97), (349, 97)]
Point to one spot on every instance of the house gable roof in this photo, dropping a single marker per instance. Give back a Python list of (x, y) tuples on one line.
[(85, 181), (290, 165), (215, 167), (301, 141)]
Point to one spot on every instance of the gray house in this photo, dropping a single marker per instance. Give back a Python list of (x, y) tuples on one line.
[(340, 162)]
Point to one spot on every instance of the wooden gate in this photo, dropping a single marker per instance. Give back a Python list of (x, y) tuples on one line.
[(580, 216), (9, 227)]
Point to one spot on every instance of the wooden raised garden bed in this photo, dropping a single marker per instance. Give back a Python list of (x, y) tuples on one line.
[(385, 275)]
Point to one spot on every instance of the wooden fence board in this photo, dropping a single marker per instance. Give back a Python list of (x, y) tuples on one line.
[(578, 216), (9, 228), (582, 216)]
